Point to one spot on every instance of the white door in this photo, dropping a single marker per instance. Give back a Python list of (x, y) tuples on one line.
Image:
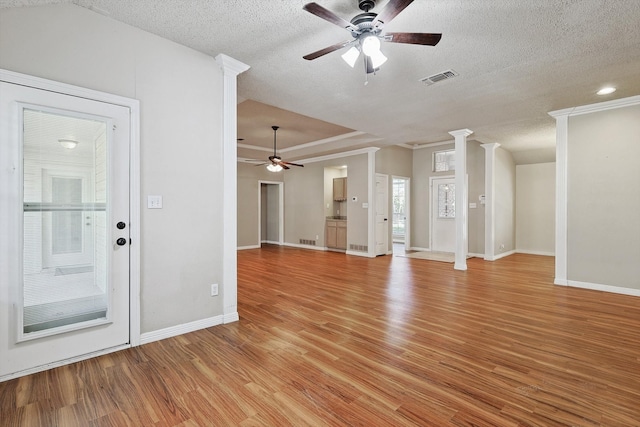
[(64, 222), (382, 214), (443, 215)]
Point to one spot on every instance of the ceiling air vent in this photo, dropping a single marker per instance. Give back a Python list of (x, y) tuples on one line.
[(449, 74)]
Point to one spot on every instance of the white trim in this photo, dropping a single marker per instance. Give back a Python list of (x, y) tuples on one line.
[(433, 144), (490, 200), (462, 198), (307, 144), (64, 362), (474, 255), (561, 243), (134, 175), (371, 197), (503, 254), (184, 328), (229, 224), (325, 141), (338, 155), (361, 254), (603, 288), (524, 251), (280, 185), (419, 249), (407, 224), (230, 317), (244, 248), (296, 245), (599, 106), (269, 242)]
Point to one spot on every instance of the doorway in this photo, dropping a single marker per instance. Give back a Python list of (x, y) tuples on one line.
[(271, 213), (382, 214), (400, 196), (443, 214), (66, 226)]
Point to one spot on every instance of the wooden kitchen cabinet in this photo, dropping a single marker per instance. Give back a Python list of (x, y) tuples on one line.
[(339, 189), (336, 234)]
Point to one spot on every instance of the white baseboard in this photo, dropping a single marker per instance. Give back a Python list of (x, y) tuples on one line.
[(269, 242), (474, 255), (362, 254), (296, 245), (230, 318), (603, 288), (242, 248), (502, 255), (524, 251), (181, 329), (416, 248)]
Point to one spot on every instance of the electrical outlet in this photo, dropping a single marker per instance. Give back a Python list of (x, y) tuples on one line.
[(214, 289), (317, 236)]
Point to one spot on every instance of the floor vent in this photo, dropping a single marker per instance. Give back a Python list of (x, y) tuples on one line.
[(307, 242), (359, 248), (449, 74)]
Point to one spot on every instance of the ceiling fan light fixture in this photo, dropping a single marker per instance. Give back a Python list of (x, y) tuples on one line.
[(274, 167), (371, 45), (351, 56), (377, 59)]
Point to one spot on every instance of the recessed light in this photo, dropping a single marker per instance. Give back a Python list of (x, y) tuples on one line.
[(606, 90)]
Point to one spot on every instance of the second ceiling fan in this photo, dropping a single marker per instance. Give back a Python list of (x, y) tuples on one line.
[(276, 164), (366, 30)]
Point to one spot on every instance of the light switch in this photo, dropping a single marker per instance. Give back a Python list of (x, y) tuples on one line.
[(365, 205), (472, 205), (154, 202)]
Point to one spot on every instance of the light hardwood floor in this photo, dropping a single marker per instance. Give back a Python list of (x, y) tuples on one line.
[(326, 339)]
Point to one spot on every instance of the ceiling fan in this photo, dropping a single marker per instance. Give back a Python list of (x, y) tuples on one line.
[(366, 30), (276, 164)]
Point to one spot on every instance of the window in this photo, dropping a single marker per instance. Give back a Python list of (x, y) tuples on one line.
[(446, 201), (444, 161)]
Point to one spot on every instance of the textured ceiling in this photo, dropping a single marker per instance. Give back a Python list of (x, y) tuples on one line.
[(517, 60)]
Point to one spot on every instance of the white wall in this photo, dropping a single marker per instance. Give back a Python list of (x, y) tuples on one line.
[(181, 101), (603, 199), (535, 208)]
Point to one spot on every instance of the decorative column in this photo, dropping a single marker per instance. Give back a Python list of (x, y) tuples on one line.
[(229, 289), (490, 201), (562, 140), (462, 198)]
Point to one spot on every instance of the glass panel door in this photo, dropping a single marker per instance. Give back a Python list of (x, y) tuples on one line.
[(64, 207), (64, 225)]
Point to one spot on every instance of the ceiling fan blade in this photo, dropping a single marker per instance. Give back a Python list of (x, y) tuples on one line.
[(391, 9), (327, 15), (429, 39), (326, 50), (291, 164), (283, 165)]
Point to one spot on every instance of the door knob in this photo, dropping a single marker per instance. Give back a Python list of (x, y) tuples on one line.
[(121, 241), (121, 225)]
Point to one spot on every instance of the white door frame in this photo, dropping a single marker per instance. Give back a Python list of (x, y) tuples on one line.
[(407, 206), (134, 201), (386, 250), (280, 185), (432, 208)]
